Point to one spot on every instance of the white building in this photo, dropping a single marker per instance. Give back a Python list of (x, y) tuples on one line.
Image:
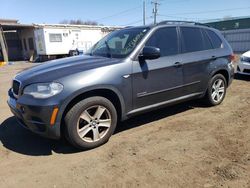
[(49, 41)]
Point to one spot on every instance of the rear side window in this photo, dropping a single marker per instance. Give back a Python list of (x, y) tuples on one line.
[(207, 42), (192, 40), (216, 41), (166, 39)]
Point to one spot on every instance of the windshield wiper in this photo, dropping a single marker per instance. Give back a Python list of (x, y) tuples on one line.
[(109, 54)]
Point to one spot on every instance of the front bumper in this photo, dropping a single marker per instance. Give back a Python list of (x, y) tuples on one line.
[(34, 117), (243, 68)]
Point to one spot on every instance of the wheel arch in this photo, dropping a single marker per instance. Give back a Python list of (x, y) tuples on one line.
[(110, 93), (223, 72)]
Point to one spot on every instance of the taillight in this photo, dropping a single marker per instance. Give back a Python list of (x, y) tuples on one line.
[(232, 58)]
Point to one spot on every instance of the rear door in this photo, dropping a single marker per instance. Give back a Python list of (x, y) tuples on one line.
[(158, 80), (196, 56)]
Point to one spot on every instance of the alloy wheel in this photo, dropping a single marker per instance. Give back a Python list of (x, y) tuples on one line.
[(94, 123), (218, 90)]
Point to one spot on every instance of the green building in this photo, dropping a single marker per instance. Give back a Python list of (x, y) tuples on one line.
[(235, 23), (236, 31)]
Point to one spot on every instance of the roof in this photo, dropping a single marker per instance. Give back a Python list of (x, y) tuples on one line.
[(15, 25), (172, 23), (73, 26), (8, 21), (7, 26)]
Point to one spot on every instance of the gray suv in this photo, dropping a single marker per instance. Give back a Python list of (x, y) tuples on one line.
[(130, 71)]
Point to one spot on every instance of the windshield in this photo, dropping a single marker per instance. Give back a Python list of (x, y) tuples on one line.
[(118, 44)]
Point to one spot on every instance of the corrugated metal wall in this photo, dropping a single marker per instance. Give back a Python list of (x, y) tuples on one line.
[(238, 39)]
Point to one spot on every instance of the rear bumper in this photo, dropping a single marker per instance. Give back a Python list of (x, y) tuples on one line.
[(35, 118), (231, 73)]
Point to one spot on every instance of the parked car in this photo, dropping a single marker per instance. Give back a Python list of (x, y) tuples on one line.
[(244, 64), (128, 72)]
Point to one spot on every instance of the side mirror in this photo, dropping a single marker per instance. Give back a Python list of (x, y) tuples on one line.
[(150, 52)]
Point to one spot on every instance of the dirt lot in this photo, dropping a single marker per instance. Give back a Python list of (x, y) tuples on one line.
[(188, 145)]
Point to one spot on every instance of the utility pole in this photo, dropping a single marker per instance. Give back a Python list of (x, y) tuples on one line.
[(3, 46), (144, 12), (155, 9)]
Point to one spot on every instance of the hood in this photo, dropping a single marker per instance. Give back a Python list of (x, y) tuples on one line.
[(53, 70), (246, 54)]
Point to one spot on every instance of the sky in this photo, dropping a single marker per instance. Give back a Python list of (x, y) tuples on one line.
[(120, 12)]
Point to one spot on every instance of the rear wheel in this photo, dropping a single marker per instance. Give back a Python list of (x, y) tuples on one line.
[(216, 91), (91, 122)]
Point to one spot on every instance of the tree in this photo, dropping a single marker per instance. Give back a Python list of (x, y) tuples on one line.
[(79, 22)]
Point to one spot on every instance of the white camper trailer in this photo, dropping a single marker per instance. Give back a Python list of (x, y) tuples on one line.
[(63, 40)]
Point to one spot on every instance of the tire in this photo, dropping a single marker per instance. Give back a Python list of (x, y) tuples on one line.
[(216, 92), (90, 123), (73, 53)]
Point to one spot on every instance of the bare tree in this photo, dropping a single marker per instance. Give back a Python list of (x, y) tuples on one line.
[(79, 22)]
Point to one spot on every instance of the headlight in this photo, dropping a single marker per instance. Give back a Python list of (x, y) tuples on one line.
[(43, 90)]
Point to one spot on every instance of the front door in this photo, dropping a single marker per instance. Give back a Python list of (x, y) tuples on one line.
[(160, 80)]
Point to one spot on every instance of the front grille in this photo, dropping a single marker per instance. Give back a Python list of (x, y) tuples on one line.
[(15, 87), (246, 71)]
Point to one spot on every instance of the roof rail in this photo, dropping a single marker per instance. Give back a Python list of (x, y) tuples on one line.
[(181, 22)]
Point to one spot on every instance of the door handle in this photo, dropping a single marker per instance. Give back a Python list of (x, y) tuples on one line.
[(178, 64)]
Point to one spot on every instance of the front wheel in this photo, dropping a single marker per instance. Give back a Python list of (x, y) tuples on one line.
[(91, 122), (216, 91)]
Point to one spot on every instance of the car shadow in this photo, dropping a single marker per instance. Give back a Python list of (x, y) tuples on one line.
[(18, 139), (145, 118), (242, 77)]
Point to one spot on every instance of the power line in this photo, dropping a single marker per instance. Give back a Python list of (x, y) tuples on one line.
[(210, 11), (178, 17), (119, 13), (135, 22)]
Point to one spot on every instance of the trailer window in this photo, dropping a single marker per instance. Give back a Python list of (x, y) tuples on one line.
[(31, 43), (24, 44), (55, 37)]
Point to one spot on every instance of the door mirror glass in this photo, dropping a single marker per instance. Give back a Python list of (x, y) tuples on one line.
[(150, 52)]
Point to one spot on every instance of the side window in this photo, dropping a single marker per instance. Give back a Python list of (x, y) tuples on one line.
[(216, 41), (207, 43), (166, 39), (191, 39)]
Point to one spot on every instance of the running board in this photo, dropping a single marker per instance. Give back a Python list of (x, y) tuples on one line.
[(164, 103)]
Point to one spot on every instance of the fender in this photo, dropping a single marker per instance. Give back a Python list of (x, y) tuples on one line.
[(88, 89)]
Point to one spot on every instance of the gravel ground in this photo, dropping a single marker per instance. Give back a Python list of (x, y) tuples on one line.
[(188, 145)]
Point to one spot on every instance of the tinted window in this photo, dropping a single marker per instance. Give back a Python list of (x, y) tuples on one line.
[(207, 43), (191, 39), (216, 41), (165, 39)]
